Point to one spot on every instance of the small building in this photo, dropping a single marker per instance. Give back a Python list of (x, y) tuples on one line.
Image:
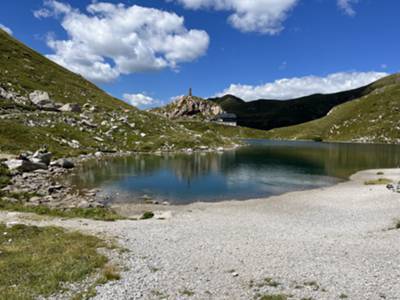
[(226, 119)]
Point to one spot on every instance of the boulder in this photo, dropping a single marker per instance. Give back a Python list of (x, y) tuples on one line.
[(63, 163), (6, 94), (42, 100), (24, 165), (41, 156), (71, 107)]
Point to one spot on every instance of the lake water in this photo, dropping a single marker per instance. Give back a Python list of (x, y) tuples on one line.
[(263, 168)]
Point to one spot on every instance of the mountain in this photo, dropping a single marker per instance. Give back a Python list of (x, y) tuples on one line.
[(190, 107), (374, 118), (270, 114), (42, 103)]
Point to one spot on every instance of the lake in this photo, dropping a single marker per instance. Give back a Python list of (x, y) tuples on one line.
[(260, 169)]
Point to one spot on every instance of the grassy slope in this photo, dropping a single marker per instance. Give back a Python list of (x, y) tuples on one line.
[(25, 70), (36, 261), (269, 114), (372, 118), (228, 131)]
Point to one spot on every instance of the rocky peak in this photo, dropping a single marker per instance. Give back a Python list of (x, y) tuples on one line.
[(190, 107)]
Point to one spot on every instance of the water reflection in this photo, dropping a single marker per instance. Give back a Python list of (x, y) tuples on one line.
[(261, 169)]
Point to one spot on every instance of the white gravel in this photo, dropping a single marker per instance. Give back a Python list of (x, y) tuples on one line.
[(322, 244)]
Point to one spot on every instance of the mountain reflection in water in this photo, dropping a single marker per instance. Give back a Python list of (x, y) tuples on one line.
[(260, 169)]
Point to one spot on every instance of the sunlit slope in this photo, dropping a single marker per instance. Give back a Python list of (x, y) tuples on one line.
[(371, 118), (106, 124)]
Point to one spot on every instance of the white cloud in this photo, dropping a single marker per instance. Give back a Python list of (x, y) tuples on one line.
[(264, 16), (140, 100), (6, 29), (112, 39), (290, 88), (347, 6)]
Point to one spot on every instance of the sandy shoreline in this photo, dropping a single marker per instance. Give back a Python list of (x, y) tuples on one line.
[(320, 243)]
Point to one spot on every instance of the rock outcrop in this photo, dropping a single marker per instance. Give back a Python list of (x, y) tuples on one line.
[(190, 107)]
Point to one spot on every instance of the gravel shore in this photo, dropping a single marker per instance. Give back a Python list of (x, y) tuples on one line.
[(330, 243)]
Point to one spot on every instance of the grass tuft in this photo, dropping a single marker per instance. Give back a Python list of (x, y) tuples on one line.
[(273, 297), (109, 272), (187, 293), (380, 181), (147, 215)]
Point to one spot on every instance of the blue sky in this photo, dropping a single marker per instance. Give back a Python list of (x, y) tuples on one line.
[(231, 46)]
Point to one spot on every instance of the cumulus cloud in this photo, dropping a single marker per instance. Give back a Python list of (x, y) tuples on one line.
[(284, 89), (113, 39), (140, 100), (264, 16), (347, 6), (6, 29)]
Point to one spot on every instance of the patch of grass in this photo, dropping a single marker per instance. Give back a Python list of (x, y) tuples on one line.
[(272, 297), (397, 224), (312, 284), (109, 272), (343, 296), (5, 176), (147, 215), (154, 269), (380, 181), (270, 282), (103, 214), (37, 261), (187, 293)]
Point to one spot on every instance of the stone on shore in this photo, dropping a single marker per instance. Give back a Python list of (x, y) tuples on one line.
[(23, 165), (42, 157), (63, 163)]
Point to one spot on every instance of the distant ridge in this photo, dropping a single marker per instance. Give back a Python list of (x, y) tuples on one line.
[(269, 114), (372, 118)]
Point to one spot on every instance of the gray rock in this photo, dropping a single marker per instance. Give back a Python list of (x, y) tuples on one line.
[(42, 100), (71, 107), (23, 165), (42, 157), (74, 144), (63, 163), (84, 204), (6, 94), (88, 124)]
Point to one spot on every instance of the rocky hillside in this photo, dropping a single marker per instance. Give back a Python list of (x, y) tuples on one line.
[(42, 103), (374, 117), (190, 107), (270, 114)]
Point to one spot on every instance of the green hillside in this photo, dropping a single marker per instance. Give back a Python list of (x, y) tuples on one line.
[(270, 114), (371, 118), (104, 123)]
